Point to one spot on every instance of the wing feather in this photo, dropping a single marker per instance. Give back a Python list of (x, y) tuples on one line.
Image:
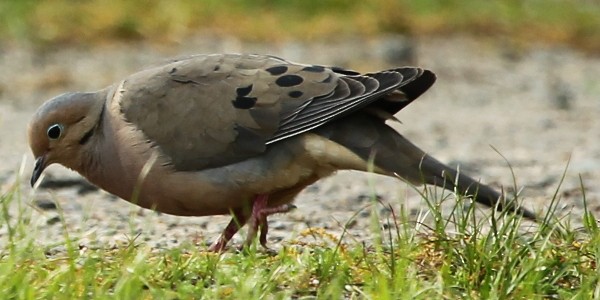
[(207, 111)]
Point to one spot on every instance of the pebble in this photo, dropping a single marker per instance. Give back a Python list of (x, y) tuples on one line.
[(45, 204)]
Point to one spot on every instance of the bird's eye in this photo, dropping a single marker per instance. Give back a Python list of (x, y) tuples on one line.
[(54, 131)]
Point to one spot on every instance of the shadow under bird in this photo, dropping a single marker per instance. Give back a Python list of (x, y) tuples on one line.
[(239, 134)]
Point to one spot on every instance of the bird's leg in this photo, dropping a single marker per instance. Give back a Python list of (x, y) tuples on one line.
[(264, 225), (237, 221), (257, 218), (260, 212)]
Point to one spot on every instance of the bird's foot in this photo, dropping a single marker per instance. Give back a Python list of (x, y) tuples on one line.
[(260, 212), (237, 221)]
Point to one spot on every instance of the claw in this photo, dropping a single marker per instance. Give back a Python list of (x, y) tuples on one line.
[(257, 219)]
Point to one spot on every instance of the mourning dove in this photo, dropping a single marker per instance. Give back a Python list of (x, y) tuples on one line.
[(238, 134)]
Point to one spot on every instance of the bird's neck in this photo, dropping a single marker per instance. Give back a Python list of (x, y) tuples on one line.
[(102, 161)]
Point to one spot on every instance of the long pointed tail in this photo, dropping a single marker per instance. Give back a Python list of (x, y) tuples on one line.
[(368, 136), (436, 173)]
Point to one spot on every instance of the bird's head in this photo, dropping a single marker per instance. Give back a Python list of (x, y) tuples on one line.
[(61, 127)]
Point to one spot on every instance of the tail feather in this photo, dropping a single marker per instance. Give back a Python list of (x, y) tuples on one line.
[(438, 174), (369, 137)]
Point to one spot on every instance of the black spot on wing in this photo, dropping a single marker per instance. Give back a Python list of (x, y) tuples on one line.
[(295, 94), (289, 80), (352, 93), (277, 70), (243, 102), (315, 69), (243, 91)]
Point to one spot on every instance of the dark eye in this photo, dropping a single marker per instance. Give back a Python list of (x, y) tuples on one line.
[(54, 131)]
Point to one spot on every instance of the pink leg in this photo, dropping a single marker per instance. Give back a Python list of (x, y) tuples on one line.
[(237, 221), (264, 225), (260, 212)]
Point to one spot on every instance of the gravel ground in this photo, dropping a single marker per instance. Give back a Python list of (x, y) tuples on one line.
[(539, 108)]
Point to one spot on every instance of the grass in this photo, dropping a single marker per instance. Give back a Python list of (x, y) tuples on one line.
[(60, 22), (461, 257)]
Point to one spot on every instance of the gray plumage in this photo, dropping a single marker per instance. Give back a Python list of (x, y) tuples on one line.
[(241, 134)]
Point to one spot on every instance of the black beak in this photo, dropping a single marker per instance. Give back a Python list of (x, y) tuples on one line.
[(40, 165)]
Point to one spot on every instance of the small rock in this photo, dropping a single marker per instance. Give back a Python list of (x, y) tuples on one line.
[(385, 211), (278, 225), (414, 212), (83, 187), (351, 224), (86, 188), (561, 95), (55, 251), (367, 197), (53, 220), (313, 188), (45, 204)]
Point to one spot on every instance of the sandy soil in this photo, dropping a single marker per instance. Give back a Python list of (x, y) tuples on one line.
[(539, 108)]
